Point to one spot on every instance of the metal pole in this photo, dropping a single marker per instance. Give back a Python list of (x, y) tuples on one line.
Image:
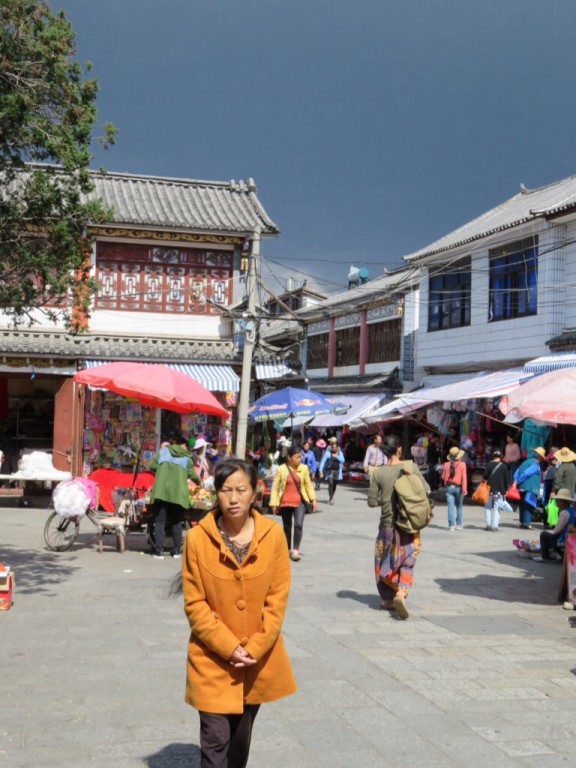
[(250, 330)]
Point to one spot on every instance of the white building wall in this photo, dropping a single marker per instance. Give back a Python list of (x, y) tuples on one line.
[(565, 281), (158, 324), (500, 344)]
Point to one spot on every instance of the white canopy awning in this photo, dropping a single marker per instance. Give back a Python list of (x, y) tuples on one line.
[(487, 385), (273, 370), (492, 384)]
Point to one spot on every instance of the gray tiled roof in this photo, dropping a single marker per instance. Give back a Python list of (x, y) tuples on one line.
[(40, 342), (385, 285), (527, 205), (207, 206)]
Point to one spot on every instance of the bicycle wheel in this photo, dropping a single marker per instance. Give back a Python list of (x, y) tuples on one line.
[(60, 532)]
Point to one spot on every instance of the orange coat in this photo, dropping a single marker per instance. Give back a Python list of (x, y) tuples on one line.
[(230, 604)]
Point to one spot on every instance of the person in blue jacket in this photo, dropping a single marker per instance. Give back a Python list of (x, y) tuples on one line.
[(527, 478), (308, 458), (331, 467)]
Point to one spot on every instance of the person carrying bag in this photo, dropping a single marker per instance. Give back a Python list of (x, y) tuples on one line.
[(497, 481), (291, 491), (331, 468)]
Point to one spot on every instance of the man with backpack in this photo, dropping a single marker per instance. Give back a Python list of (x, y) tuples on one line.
[(401, 492)]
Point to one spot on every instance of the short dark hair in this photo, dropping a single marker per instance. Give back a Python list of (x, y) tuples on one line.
[(390, 445), (228, 467), (293, 450)]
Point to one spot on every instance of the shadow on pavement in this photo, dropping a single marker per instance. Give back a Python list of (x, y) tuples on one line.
[(175, 756), (36, 571), (527, 589), (372, 601)]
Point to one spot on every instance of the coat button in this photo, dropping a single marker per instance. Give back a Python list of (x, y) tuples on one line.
[(238, 575), (241, 605)]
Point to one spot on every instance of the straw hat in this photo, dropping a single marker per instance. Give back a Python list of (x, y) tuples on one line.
[(565, 495), (565, 455), (320, 443), (541, 452), (455, 454), (332, 440)]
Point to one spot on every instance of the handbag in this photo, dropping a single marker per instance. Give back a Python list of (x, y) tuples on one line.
[(482, 493), (552, 512), (513, 494), (331, 466)]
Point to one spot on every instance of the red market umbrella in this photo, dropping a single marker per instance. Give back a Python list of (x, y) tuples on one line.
[(156, 386), (549, 397)]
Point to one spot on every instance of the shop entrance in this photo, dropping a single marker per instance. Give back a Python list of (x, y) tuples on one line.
[(26, 415)]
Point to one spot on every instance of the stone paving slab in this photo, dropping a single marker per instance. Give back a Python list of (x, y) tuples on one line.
[(483, 672)]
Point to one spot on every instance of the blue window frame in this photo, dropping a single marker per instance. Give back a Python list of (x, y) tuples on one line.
[(449, 297), (514, 280)]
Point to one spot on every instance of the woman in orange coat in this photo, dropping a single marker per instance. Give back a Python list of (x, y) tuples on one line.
[(235, 580)]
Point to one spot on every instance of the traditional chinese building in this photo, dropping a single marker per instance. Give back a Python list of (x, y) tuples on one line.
[(172, 256)]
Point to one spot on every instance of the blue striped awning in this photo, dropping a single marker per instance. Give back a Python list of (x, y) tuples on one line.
[(549, 363), (216, 378)]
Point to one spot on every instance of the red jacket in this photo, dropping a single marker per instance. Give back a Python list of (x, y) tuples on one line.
[(459, 478)]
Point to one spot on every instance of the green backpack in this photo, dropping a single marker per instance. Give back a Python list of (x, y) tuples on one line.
[(413, 508)]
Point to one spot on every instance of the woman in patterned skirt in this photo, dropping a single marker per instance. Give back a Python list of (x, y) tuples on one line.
[(395, 551)]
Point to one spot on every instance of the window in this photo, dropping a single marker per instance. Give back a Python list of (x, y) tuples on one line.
[(449, 297), (141, 278), (514, 280), (348, 346), (384, 341), (318, 351)]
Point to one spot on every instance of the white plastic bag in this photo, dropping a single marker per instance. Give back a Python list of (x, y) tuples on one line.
[(69, 499)]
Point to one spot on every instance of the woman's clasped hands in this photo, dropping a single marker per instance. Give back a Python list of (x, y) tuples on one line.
[(241, 658)]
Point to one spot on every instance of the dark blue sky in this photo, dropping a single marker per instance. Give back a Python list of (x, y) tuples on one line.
[(371, 127)]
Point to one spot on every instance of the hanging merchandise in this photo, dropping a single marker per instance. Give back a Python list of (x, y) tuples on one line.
[(115, 429), (534, 434)]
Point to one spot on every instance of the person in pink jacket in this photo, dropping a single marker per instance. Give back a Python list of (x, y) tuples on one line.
[(455, 480)]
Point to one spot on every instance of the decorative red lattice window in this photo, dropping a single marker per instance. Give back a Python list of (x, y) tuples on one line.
[(141, 278)]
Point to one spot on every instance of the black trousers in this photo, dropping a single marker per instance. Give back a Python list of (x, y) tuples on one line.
[(332, 479), (298, 513), (167, 511), (549, 543), (225, 739)]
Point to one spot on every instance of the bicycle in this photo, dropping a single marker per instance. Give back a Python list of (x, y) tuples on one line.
[(63, 524), (132, 515)]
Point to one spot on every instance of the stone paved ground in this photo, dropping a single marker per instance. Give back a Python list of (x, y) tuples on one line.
[(483, 672)]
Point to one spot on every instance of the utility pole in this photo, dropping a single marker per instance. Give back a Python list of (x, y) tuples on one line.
[(250, 338)]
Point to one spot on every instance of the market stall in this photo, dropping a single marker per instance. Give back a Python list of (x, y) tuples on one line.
[(129, 406), (143, 389)]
